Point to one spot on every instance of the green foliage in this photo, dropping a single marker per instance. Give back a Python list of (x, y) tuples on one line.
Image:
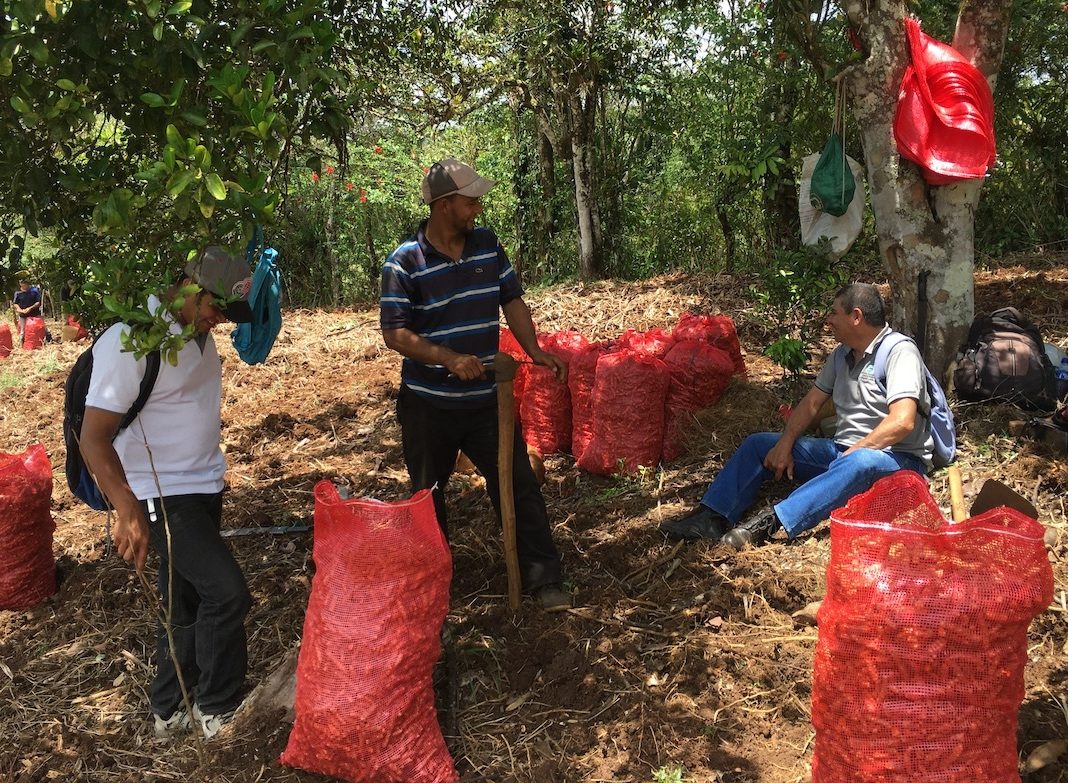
[(668, 775), (793, 294)]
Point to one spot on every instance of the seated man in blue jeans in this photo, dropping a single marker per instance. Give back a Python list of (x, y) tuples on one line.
[(879, 432)]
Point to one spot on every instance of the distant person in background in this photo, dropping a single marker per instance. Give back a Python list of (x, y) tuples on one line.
[(66, 293), (27, 304)]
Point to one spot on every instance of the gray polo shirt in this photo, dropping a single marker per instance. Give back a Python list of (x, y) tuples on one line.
[(861, 405)]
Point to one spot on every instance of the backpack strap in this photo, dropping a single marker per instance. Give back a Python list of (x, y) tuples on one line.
[(148, 382), (882, 357)]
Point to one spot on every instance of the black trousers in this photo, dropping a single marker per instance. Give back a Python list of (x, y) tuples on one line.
[(432, 437), (209, 604)]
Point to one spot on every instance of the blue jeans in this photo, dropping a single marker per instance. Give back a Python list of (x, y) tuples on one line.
[(829, 479), (209, 605)]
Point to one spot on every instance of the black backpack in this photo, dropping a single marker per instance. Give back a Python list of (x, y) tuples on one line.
[(75, 390), (1005, 358)]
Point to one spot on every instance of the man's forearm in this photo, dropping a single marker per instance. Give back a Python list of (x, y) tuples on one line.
[(410, 345), (803, 415), (519, 320), (106, 469)]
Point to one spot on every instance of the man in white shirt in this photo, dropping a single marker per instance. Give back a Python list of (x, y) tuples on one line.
[(163, 475)]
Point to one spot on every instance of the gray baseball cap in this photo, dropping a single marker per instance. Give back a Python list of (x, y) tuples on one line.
[(226, 277), (451, 177)]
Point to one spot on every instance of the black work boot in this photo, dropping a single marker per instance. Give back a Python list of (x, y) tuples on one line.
[(700, 523), (753, 531)]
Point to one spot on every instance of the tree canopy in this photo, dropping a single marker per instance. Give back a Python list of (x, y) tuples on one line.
[(630, 136)]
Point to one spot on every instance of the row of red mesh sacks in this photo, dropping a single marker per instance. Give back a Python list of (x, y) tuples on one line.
[(627, 401)]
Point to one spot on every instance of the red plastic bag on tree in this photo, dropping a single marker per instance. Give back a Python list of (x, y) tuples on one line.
[(27, 567), (580, 377), (918, 673), (365, 698), (35, 334), (699, 374), (715, 329), (509, 345), (655, 342), (629, 391), (945, 112), (5, 341), (546, 407)]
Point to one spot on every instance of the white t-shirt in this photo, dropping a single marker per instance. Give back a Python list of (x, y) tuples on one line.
[(181, 420)]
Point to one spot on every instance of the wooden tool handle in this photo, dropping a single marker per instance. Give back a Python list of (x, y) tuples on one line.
[(956, 494), (504, 370)]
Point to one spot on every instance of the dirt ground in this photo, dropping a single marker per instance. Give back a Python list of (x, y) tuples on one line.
[(678, 659)]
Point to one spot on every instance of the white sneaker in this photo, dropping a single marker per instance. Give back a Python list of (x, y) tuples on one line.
[(211, 724), (178, 722)]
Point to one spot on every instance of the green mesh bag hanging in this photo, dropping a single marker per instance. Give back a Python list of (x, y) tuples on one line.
[(833, 184)]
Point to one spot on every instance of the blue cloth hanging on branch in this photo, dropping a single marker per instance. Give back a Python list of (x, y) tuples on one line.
[(254, 341)]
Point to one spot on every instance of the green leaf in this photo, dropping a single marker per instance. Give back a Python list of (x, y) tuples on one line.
[(215, 187), (19, 105), (37, 49), (153, 99), (66, 84), (194, 117), (6, 66), (180, 7), (263, 46), (153, 7), (157, 30), (179, 181), (174, 138), (207, 208)]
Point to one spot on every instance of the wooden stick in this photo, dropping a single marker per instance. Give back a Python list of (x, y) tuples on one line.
[(504, 367), (956, 495)]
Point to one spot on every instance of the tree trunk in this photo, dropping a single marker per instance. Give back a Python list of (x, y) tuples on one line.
[(729, 245), (780, 192), (545, 226), (589, 222), (921, 228)]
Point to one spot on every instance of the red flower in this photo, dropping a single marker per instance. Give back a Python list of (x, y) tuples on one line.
[(349, 186), (378, 150), (329, 169), (315, 176), (426, 170), (782, 56), (363, 196)]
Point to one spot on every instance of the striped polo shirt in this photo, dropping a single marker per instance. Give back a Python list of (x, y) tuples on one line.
[(452, 303)]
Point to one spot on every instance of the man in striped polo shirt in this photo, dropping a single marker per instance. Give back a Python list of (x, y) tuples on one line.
[(442, 293)]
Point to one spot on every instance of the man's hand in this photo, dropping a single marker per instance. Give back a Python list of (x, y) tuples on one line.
[(130, 534), (553, 362), (465, 367), (780, 460)]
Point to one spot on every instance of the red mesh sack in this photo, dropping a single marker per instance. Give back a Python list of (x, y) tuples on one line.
[(365, 698), (629, 391), (715, 329), (580, 376), (35, 334), (655, 342), (509, 345), (546, 406), (945, 112), (699, 375), (5, 341), (27, 568), (918, 673), (74, 323)]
